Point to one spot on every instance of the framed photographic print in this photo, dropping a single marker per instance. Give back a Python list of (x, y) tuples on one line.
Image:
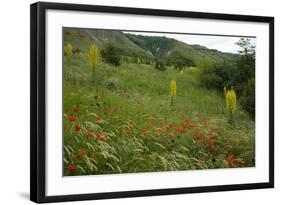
[(129, 102)]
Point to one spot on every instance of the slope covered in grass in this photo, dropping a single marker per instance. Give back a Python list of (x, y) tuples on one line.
[(126, 124)]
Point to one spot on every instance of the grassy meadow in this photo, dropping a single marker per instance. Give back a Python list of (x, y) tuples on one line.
[(124, 122)]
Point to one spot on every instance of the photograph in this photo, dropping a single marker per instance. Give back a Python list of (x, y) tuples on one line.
[(144, 101)]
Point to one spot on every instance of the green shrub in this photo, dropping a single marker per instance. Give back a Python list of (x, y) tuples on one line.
[(160, 65), (211, 80), (111, 55), (179, 60), (77, 50), (113, 84)]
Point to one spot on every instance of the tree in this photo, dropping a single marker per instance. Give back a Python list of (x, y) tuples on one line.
[(248, 98), (246, 62), (94, 60), (111, 54), (246, 75), (247, 48)]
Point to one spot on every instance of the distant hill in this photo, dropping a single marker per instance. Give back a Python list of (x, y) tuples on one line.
[(146, 48), (165, 47)]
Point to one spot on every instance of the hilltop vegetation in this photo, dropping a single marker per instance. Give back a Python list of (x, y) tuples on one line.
[(140, 104)]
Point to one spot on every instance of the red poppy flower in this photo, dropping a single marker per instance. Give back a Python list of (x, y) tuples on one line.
[(157, 134), (144, 129), (78, 157), (191, 124), (229, 140), (182, 117), (214, 129), (89, 134), (98, 118), (165, 122), (75, 109), (180, 129), (182, 123), (171, 135), (197, 134), (211, 138), (237, 161), (100, 136), (72, 119), (96, 159), (114, 110), (241, 142), (77, 128), (230, 159), (80, 154), (186, 120), (128, 130), (72, 168), (205, 123)]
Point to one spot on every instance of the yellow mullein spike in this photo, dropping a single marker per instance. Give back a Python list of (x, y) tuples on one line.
[(94, 59), (230, 101), (173, 88), (68, 49), (94, 55)]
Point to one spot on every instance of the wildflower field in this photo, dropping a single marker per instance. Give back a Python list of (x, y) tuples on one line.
[(135, 118)]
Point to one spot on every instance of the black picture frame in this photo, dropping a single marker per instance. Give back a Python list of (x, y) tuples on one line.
[(38, 101)]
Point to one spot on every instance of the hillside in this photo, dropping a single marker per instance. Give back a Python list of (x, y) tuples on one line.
[(146, 48), (83, 38), (166, 48)]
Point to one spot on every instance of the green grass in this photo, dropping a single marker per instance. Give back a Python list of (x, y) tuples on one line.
[(126, 123)]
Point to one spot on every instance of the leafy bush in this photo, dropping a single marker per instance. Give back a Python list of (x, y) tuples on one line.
[(113, 84), (211, 80), (160, 65), (222, 74), (77, 50), (111, 55), (180, 61)]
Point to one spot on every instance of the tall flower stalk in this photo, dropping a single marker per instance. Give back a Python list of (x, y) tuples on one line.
[(230, 99), (94, 60), (224, 91), (68, 49), (173, 90)]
